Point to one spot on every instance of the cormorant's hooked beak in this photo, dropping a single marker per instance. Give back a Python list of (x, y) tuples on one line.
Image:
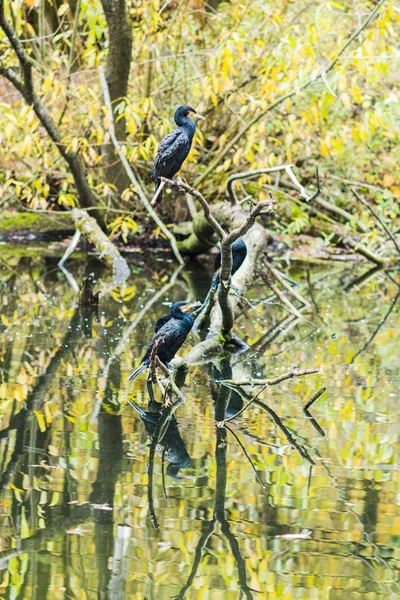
[(186, 307), (194, 115)]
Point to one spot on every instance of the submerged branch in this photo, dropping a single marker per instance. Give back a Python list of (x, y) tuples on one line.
[(266, 382)]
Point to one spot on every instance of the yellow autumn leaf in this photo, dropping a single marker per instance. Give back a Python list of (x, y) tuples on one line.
[(41, 420), (5, 321)]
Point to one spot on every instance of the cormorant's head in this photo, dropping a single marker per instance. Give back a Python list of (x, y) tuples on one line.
[(174, 468), (183, 112), (180, 308)]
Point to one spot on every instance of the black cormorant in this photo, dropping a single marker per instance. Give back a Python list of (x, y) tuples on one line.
[(174, 148), (173, 334)]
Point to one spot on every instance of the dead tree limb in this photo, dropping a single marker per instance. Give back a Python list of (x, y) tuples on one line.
[(106, 249), (26, 88), (285, 301), (130, 173), (285, 284), (226, 239), (258, 172)]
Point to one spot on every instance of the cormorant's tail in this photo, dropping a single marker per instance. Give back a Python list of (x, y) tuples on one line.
[(133, 375), (138, 408), (215, 280)]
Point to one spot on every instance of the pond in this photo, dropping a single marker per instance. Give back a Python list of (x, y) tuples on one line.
[(276, 505)]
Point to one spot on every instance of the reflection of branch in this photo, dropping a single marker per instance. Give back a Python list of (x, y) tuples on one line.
[(240, 563), (367, 276), (58, 527), (314, 398), (129, 172), (302, 451), (309, 416), (162, 426), (201, 544), (381, 324), (247, 456), (221, 448)]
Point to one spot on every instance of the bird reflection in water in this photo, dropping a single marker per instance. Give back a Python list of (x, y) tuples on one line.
[(170, 444)]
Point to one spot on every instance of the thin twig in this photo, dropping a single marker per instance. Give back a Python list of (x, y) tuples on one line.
[(248, 458), (130, 173), (250, 175), (313, 399), (284, 283), (246, 405), (292, 309), (377, 217)]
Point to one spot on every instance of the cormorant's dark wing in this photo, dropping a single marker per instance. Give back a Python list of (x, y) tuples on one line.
[(173, 335), (172, 152), (161, 321)]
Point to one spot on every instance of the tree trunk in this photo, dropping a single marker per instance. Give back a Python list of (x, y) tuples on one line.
[(117, 75)]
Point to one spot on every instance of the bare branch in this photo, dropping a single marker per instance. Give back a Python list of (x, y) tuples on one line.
[(291, 308), (185, 187), (246, 405), (265, 382), (249, 175), (130, 173), (285, 284)]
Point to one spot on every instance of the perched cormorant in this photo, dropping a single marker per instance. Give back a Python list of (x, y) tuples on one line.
[(173, 334), (174, 148)]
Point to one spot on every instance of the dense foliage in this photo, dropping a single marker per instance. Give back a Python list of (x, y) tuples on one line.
[(232, 61)]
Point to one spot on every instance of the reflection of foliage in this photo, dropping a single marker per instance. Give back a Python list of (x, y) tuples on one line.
[(47, 364)]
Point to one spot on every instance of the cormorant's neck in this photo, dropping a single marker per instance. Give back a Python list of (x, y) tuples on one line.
[(187, 124)]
